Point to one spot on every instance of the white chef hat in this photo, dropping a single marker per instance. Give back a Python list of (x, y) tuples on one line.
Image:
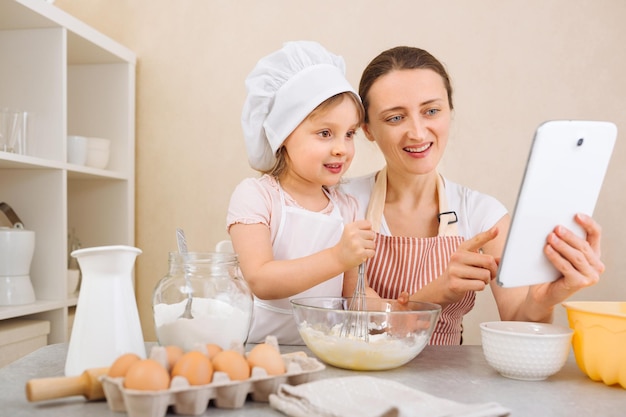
[(283, 89)]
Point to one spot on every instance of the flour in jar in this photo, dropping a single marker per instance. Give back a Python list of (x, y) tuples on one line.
[(214, 321)]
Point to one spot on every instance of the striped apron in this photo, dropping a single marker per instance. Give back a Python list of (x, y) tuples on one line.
[(409, 263)]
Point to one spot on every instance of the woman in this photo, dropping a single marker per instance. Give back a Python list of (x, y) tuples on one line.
[(439, 241)]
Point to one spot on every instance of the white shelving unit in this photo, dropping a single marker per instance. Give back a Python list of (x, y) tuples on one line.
[(73, 80)]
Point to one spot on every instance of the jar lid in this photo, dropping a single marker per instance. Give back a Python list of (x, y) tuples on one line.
[(4, 229)]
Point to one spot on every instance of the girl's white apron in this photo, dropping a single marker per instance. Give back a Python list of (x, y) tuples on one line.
[(300, 233)]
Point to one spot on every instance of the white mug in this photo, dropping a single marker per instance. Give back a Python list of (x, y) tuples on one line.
[(77, 150)]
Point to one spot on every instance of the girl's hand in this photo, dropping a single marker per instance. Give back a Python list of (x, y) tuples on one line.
[(356, 244)]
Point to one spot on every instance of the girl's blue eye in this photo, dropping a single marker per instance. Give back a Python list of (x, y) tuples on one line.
[(394, 119), (432, 112)]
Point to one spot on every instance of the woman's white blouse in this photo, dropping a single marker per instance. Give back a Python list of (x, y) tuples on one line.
[(476, 211)]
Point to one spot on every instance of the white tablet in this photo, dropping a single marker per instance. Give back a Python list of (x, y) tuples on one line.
[(564, 175)]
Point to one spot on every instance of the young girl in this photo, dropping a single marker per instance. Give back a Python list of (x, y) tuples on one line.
[(295, 234)]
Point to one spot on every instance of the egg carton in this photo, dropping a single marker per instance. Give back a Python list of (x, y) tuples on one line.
[(222, 392)]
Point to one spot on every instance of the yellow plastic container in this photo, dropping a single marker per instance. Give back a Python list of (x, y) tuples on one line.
[(599, 340)]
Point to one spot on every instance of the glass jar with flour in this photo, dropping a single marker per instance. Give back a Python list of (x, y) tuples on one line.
[(203, 299)]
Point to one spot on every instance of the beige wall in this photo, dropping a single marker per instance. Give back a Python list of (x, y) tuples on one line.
[(514, 64)]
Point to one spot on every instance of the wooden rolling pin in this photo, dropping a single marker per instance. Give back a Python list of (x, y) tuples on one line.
[(87, 384)]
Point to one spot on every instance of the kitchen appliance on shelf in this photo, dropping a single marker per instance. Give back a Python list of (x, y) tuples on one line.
[(17, 246)]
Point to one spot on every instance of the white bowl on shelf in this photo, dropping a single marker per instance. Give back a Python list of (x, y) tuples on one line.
[(98, 152)]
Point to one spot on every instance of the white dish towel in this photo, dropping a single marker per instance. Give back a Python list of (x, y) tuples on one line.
[(366, 396)]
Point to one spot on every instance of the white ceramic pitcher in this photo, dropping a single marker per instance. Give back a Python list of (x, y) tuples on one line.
[(106, 324)]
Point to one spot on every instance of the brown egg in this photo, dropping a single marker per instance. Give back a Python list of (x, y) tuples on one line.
[(174, 353), (213, 349), (121, 364), (195, 366), (147, 375), (232, 363), (267, 357)]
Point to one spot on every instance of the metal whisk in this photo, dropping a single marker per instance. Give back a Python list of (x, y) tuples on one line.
[(356, 325)]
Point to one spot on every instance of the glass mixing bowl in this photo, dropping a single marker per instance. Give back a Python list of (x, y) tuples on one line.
[(395, 332)]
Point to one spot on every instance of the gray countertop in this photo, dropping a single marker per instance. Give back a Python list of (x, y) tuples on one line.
[(459, 373)]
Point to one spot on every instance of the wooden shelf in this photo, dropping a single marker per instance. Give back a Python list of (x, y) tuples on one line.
[(73, 80)]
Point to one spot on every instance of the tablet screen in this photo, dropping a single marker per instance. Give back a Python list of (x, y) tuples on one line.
[(563, 176)]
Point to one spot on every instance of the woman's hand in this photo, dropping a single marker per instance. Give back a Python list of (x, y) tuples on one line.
[(470, 269), (577, 259)]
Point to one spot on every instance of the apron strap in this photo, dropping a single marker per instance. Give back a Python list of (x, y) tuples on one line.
[(447, 219), (377, 200)]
